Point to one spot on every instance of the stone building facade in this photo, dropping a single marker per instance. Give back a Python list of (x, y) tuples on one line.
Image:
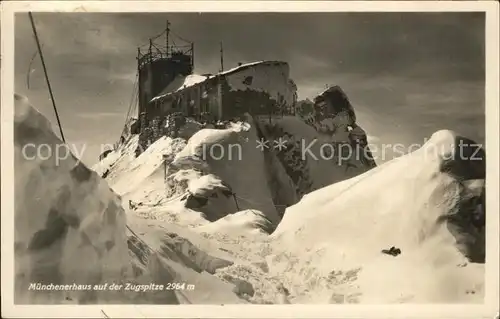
[(259, 88)]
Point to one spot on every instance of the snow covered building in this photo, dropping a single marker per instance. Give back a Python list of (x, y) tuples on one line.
[(169, 93), (259, 88), (167, 85)]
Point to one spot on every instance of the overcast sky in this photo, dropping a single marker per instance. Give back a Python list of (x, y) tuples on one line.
[(406, 74)]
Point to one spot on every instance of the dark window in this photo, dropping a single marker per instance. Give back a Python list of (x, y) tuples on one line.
[(248, 80)]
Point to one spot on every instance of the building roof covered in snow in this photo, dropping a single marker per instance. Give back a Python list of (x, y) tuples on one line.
[(249, 65), (180, 83), (183, 82)]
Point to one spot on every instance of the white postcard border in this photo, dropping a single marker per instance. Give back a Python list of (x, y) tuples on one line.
[(488, 310)]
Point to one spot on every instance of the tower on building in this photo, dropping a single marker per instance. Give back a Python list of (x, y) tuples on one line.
[(159, 62)]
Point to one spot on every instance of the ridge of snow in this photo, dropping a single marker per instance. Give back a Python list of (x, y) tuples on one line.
[(246, 65), (248, 222), (350, 222), (205, 184), (180, 83)]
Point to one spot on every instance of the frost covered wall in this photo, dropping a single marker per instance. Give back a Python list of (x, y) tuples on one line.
[(259, 88), (192, 95)]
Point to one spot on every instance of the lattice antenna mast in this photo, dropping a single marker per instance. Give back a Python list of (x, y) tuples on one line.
[(167, 34)]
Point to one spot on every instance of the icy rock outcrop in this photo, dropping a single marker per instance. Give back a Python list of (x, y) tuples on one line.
[(329, 105), (310, 159), (332, 149), (69, 226), (332, 114), (174, 125)]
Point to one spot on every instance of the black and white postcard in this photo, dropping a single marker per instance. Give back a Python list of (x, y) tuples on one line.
[(251, 159)]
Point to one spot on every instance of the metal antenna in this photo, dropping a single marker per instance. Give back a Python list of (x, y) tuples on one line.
[(192, 55), (150, 51), (167, 33), (46, 75), (221, 57)]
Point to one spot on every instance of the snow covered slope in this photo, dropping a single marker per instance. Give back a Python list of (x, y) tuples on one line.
[(66, 217), (71, 238), (333, 246), (424, 204)]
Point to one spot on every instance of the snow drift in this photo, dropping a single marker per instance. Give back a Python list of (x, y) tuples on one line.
[(69, 226), (424, 204), (71, 241), (411, 230), (230, 155)]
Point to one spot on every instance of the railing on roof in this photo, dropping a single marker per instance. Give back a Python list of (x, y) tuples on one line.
[(156, 53), (156, 50)]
